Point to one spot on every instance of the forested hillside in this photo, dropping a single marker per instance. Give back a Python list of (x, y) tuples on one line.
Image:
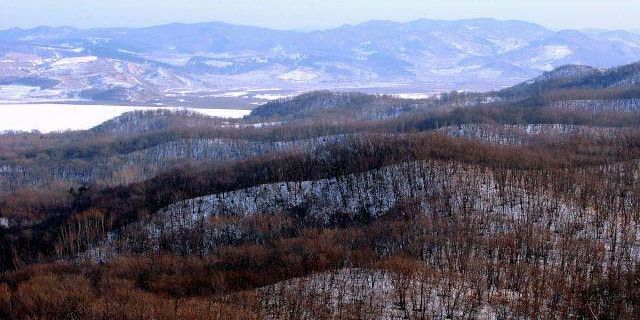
[(517, 204)]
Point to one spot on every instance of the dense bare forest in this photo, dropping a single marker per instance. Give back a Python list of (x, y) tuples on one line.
[(518, 204)]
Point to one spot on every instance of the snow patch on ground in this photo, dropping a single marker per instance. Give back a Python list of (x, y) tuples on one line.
[(264, 89), (272, 96), (508, 44), (74, 61), (231, 94), (299, 75), (126, 51), (550, 54)]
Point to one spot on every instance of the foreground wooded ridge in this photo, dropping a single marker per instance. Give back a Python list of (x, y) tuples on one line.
[(518, 204)]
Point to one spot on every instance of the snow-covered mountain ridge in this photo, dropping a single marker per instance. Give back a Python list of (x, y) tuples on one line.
[(206, 62)]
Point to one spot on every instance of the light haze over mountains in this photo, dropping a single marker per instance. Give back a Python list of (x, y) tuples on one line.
[(195, 64)]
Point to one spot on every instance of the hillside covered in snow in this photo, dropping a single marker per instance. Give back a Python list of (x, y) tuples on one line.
[(520, 203)]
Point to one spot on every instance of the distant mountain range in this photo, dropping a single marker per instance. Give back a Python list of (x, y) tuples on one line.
[(567, 87), (206, 63)]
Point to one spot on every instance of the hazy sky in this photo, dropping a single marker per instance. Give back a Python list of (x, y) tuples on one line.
[(312, 14)]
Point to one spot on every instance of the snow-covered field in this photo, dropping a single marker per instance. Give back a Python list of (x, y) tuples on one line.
[(59, 117)]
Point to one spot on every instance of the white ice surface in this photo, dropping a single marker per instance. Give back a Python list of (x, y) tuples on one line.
[(60, 117)]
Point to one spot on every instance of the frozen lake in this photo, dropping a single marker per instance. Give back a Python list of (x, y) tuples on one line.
[(60, 117)]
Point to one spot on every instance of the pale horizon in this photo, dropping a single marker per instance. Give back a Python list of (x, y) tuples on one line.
[(312, 29)]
